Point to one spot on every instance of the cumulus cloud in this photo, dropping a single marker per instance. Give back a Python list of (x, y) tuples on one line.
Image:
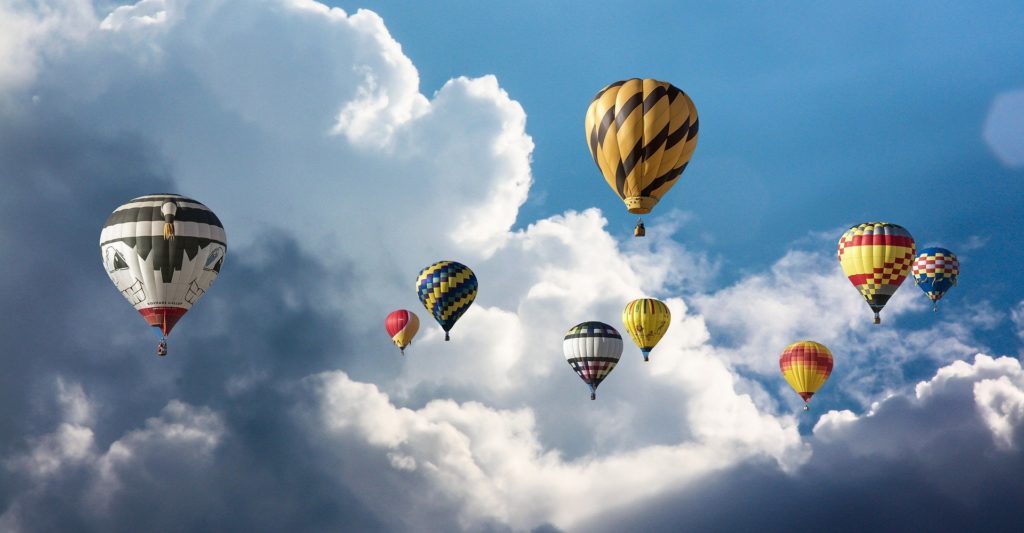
[(937, 449), (491, 466), (182, 437), (28, 36), (313, 105)]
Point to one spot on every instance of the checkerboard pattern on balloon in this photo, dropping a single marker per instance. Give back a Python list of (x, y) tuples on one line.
[(936, 271), (446, 289), (876, 257), (593, 370)]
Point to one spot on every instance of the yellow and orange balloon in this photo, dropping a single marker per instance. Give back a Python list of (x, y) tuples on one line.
[(642, 134), (806, 365)]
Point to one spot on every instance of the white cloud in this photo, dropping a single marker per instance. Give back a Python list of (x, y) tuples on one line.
[(77, 408), (490, 464), (991, 389), (28, 34), (136, 17), (180, 431), (70, 444), (321, 112), (1001, 402), (381, 106)]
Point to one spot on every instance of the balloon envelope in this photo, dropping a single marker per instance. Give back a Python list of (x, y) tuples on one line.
[(642, 134), (646, 320), (592, 350), (447, 289), (876, 257), (162, 252), (806, 365), (402, 325), (935, 271)]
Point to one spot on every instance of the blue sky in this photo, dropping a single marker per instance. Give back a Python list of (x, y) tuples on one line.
[(346, 149), (813, 117)]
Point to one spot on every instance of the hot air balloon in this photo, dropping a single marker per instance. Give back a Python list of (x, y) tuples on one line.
[(806, 366), (642, 134), (592, 349), (402, 325), (876, 257), (162, 252), (646, 321), (935, 270), (447, 289)]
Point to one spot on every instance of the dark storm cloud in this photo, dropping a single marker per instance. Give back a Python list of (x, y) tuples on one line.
[(59, 182), (912, 466), (263, 320)]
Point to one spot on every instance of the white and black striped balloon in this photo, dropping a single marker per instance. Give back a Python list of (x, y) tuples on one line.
[(592, 350)]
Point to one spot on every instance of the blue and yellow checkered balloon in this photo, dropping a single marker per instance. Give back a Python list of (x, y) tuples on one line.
[(447, 289)]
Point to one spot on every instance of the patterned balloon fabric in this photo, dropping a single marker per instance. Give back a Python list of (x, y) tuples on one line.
[(642, 134), (447, 289), (646, 320), (163, 252), (806, 365), (876, 257), (402, 325), (592, 350), (935, 271)]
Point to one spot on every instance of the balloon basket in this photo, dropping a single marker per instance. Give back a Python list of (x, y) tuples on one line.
[(639, 230)]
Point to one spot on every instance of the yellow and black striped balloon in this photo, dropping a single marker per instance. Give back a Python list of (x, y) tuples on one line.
[(641, 133)]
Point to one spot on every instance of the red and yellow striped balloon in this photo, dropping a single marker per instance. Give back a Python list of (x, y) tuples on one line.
[(806, 366), (876, 257)]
